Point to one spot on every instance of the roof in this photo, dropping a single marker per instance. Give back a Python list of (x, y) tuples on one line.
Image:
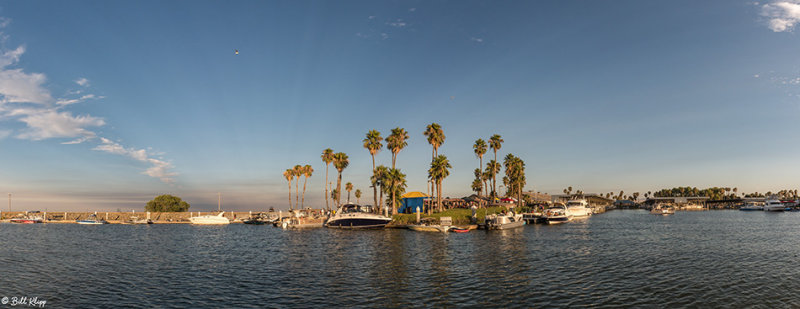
[(415, 194)]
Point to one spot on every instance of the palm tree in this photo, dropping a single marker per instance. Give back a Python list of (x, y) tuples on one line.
[(436, 137), (358, 196), (477, 186), (378, 182), (373, 143), (307, 172), (395, 182), (495, 142), (480, 150), (485, 177), (396, 142), (298, 171), (349, 187), (327, 157), (289, 175), (439, 171), (492, 167), (340, 162)]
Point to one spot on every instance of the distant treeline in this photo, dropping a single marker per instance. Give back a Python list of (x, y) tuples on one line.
[(718, 193)]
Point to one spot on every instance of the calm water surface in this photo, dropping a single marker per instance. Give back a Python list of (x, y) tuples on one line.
[(620, 258)]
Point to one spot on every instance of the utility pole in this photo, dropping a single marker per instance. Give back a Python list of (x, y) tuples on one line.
[(9, 202)]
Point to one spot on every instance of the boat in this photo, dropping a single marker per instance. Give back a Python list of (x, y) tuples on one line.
[(659, 209), (557, 214), (28, 218), (136, 220), (303, 219), (257, 219), (533, 217), (773, 204), (210, 219), (504, 221), (430, 225), (92, 220), (459, 230), (354, 216), (579, 208), (752, 206)]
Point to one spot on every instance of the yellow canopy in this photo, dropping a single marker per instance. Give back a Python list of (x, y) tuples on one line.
[(414, 194)]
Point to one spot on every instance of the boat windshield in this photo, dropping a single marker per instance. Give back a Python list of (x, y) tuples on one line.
[(352, 208)]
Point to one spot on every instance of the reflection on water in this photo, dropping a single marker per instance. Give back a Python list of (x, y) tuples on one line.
[(621, 258)]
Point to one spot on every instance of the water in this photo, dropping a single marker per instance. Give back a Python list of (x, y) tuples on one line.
[(620, 258)]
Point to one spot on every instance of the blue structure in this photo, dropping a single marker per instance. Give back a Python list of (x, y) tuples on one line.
[(411, 201)]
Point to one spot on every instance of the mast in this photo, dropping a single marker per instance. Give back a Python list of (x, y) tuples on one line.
[(219, 201)]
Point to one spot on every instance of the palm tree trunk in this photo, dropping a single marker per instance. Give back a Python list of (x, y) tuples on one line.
[(394, 158), (380, 200), (348, 196), (439, 197), (303, 201), (290, 196), (394, 207), (338, 189), (328, 206), (494, 176), (374, 186), (297, 192)]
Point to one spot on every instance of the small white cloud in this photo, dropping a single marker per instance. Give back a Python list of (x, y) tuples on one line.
[(371, 17), (158, 168), (756, 76), (384, 36), (397, 24), (474, 39), (82, 82), (48, 123), (412, 9), (783, 15)]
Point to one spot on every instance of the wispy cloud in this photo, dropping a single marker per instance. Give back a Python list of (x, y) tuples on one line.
[(474, 39), (24, 98), (82, 82), (399, 23), (782, 15), (412, 9)]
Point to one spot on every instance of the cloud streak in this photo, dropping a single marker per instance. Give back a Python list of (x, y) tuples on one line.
[(783, 15)]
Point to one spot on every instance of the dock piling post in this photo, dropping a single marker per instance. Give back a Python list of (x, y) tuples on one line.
[(417, 214)]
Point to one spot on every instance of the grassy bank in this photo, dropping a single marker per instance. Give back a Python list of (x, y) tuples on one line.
[(460, 216)]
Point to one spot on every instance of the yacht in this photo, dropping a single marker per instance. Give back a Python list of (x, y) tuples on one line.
[(662, 210), (579, 208), (92, 220), (210, 219), (28, 218), (752, 206), (774, 204), (354, 216), (557, 214)]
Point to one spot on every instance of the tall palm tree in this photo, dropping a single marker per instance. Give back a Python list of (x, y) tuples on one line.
[(358, 196), (485, 177), (307, 172), (340, 162), (378, 182), (439, 171), (495, 142), (373, 143), (289, 175), (480, 148), (396, 142), (492, 168), (297, 170), (349, 187), (395, 182), (436, 137), (477, 186), (327, 157)]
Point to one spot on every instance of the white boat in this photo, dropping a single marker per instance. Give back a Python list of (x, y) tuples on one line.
[(774, 204), (579, 208), (430, 225), (504, 221), (752, 206), (662, 210), (210, 219), (91, 220), (354, 216), (557, 214)]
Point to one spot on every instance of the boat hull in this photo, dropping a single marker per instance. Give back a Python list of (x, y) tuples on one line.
[(26, 221), (506, 226), (557, 220), (358, 223), (90, 222), (429, 228)]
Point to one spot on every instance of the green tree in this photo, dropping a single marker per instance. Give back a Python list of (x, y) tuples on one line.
[(436, 137), (340, 162), (167, 203), (480, 148), (358, 196), (378, 179), (297, 171), (440, 169), (307, 172), (495, 142), (327, 157), (373, 144), (348, 187), (394, 182), (396, 142), (289, 175)]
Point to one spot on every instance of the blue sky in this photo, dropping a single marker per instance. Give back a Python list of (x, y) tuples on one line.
[(105, 105)]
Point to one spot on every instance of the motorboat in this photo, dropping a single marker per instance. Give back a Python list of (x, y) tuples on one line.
[(210, 219), (257, 219), (533, 217), (504, 221), (303, 219), (430, 225), (752, 206), (354, 216), (28, 218), (774, 204), (91, 220), (579, 208), (137, 220), (662, 210), (557, 214)]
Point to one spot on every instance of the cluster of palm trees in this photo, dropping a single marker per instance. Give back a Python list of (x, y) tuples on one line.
[(385, 180), (295, 173), (340, 161), (487, 178), (515, 176)]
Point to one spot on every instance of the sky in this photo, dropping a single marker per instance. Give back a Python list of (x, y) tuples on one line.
[(104, 105)]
